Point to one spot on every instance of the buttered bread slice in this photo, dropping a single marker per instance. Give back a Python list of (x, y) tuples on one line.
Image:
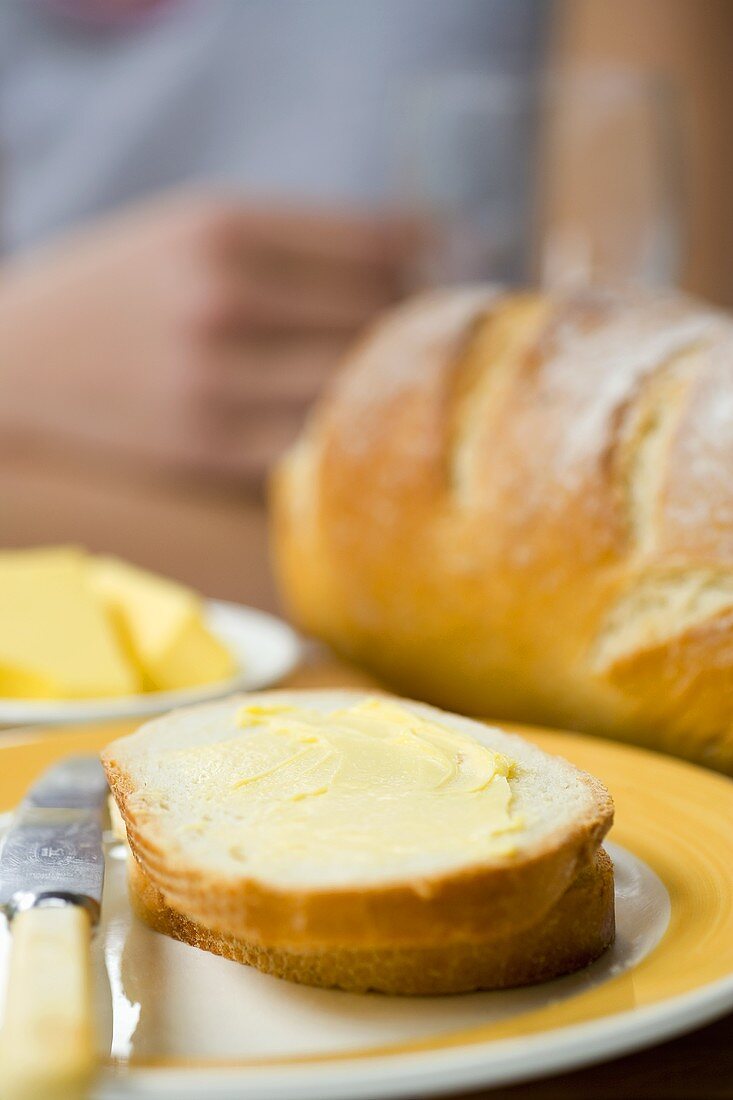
[(339, 838)]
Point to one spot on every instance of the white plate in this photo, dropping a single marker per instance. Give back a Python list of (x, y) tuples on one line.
[(265, 648)]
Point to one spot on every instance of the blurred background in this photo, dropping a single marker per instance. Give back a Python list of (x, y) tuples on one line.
[(202, 202)]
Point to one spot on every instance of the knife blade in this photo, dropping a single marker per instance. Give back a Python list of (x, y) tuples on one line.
[(52, 855), (51, 881), (53, 849), (77, 782)]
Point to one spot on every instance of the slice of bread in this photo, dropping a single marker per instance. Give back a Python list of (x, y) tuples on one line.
[(576, 930), (494, 857)]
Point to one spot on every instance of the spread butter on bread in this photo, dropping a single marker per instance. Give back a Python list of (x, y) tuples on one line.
[(364, 842)]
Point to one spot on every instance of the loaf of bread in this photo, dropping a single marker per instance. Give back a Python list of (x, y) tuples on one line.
[(521, 506), (364, 842)]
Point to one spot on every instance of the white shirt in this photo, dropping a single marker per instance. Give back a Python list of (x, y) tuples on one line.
[(284, 97)]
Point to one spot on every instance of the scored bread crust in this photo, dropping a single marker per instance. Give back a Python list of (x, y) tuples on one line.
[(573, 933), (494, 897), (520, 506)]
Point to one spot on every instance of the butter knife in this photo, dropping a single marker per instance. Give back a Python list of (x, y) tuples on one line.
[(51, 878)]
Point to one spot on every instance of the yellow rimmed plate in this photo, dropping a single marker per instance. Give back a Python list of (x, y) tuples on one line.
[(181, 1023)]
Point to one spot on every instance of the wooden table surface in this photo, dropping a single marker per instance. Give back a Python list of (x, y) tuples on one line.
[(217, 541)]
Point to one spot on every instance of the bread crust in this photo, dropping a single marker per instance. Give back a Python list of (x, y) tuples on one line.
[(494, 490), (577, 930), (470, 903)]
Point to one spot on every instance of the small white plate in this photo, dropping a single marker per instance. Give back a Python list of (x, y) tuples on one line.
[(265, 648)]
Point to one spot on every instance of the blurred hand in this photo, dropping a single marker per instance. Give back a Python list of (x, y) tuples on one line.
[(191, 333)]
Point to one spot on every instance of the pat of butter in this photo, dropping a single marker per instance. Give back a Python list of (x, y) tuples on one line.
[(367, 791), (55, 639), (162, 627)]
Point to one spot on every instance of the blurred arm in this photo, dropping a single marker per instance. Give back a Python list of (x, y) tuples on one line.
[(691, 41)]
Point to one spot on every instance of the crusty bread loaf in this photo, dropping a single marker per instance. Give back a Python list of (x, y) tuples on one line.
[(522, 507), (576, 930), (179, 787)]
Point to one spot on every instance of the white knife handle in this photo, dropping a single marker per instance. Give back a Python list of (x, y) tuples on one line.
[(47, 1046)]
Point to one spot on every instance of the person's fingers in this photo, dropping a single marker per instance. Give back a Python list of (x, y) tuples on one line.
[(242, 447), (361, 241), (295, 385), (267, 373), (235, 269), (247, 401), (250, 301)]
